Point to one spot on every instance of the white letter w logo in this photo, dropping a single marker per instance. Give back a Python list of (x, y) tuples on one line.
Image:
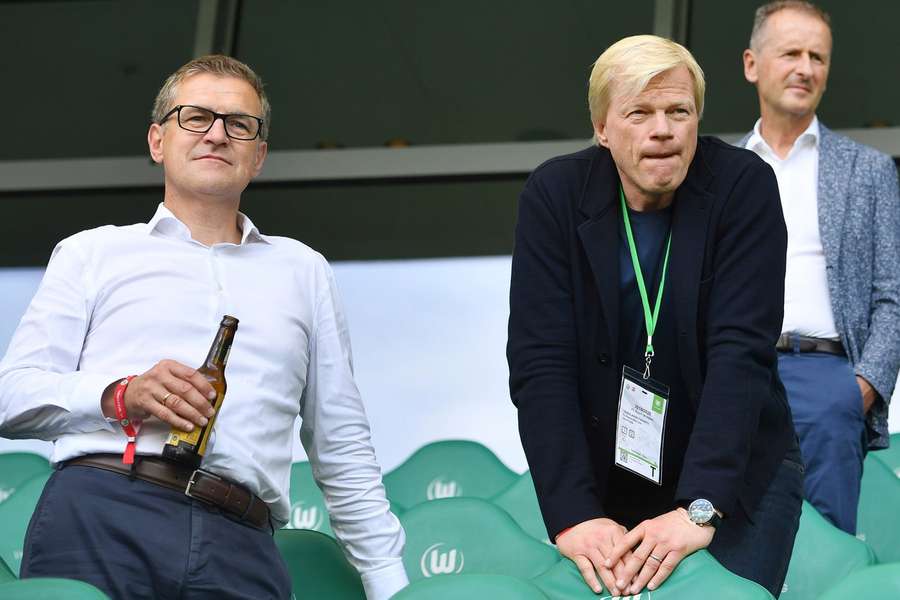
[(434, 562), (438, 489)]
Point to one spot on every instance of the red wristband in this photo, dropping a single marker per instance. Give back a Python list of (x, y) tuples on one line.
[(128, 426)]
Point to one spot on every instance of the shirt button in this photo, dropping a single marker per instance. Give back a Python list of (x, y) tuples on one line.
[(595, 421), (603, 358)]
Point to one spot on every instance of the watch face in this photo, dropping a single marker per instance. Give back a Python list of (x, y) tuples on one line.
[(701, 511)]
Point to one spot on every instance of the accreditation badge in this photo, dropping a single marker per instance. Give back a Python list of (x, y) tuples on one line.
[(641, 425)]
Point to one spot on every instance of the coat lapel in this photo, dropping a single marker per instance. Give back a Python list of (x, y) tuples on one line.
[(600, 236), (691, 211), (832, 187)]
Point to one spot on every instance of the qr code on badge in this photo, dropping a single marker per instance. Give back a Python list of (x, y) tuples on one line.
[(623, 456)]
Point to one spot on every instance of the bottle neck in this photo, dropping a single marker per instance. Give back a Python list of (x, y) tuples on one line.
[(221, 346)]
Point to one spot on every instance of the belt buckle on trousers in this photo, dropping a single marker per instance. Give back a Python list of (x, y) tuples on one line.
[(191, 482)]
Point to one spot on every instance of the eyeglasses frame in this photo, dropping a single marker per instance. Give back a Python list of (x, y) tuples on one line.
[(216, 117)]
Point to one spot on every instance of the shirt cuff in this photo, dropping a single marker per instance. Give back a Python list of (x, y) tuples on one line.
[(383, 583), (86, 413)]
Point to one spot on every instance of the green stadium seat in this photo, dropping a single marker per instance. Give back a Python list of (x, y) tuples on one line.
[(879, 582), (318, 567), (307, 503), (18, 467), (520, 501), (697, 576), (15, 513), (890, 456), (448, 469), (473, 587), (823, 555), (6, 573), (50, 589), (470, 536), (878, 517)]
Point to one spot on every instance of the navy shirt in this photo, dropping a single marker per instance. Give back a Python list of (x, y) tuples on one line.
[(629, 497)]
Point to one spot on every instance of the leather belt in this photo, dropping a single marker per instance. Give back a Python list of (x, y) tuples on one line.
[(789, 342), (207, 487)]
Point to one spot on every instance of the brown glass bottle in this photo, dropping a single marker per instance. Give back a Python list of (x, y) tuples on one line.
[(188, 447)]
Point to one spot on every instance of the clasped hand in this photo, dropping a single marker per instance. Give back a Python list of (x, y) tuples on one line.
[(629, 561)]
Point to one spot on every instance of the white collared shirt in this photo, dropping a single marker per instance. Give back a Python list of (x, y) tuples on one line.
[(807, 301), (116, 300)]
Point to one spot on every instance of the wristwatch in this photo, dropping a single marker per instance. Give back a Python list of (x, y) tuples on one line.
[(703, 513)]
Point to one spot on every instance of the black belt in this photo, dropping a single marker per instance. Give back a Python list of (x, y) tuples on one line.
[(207, 487), (789, 342)]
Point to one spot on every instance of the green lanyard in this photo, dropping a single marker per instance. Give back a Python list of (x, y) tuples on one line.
[(650, 320)]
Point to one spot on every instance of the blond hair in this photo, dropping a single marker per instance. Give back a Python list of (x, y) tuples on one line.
[(214, 64), (631, 63)]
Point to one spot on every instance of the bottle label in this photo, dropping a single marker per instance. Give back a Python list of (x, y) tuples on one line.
[(176, 436)]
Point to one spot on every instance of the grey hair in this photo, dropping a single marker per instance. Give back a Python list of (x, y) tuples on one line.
[(215, 64), (767, 10)]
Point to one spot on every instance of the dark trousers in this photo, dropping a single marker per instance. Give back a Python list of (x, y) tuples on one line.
[(827, 407), (135, 540), (760, 548)]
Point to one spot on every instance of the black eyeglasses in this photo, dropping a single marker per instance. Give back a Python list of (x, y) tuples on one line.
[(200, 120)]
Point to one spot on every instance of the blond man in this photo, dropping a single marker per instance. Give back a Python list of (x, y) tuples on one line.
[(146, 300), (644, 308)]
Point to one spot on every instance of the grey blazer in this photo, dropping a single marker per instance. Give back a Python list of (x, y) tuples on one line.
[(859, 222)]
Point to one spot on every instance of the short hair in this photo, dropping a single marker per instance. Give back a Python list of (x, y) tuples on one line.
[(632, 62), (767, 10), (214, 64)]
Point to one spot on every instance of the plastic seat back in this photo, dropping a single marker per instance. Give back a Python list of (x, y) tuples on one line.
[(448, 469), (823, 555), (308, 509), (878, 582), (520, 501), (878, 517), (470, 536), (474, 587), (50, 589), (317, 566), (6, 573), (15, 513), (697, 576), (16, 468), (890, 456)]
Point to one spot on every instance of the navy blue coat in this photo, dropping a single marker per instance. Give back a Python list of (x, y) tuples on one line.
[(726, 275)]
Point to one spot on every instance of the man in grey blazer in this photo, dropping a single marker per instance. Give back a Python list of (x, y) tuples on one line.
[(839, 350)]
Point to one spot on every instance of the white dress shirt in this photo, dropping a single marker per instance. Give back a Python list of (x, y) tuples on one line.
[(116, 300), (807, 301)]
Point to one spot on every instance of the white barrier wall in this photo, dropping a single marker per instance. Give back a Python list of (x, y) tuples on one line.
[(429, 340)]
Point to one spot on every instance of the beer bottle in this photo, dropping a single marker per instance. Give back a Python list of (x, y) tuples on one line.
[(189, 447)]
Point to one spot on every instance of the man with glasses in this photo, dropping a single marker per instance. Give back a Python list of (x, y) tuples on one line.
[(121, 315)]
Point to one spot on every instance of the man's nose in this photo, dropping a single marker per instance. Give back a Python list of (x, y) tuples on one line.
[(216, 133), (661, 125), (804, 66)]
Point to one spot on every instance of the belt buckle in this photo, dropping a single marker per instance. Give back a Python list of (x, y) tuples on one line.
[(191, 481)]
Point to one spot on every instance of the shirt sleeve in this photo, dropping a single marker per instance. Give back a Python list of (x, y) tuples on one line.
[(42, 393), (335, 433)]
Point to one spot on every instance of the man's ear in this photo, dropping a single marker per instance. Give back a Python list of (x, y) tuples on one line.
[(155, 142), (750, 73), (600, 133), (261, 152)]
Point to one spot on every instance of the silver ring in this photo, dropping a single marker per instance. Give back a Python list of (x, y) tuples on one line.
[(656, 558), (164, 398)]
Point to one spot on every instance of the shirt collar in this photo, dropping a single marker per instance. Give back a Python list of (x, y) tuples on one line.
[(168, 225), (810, 136)]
